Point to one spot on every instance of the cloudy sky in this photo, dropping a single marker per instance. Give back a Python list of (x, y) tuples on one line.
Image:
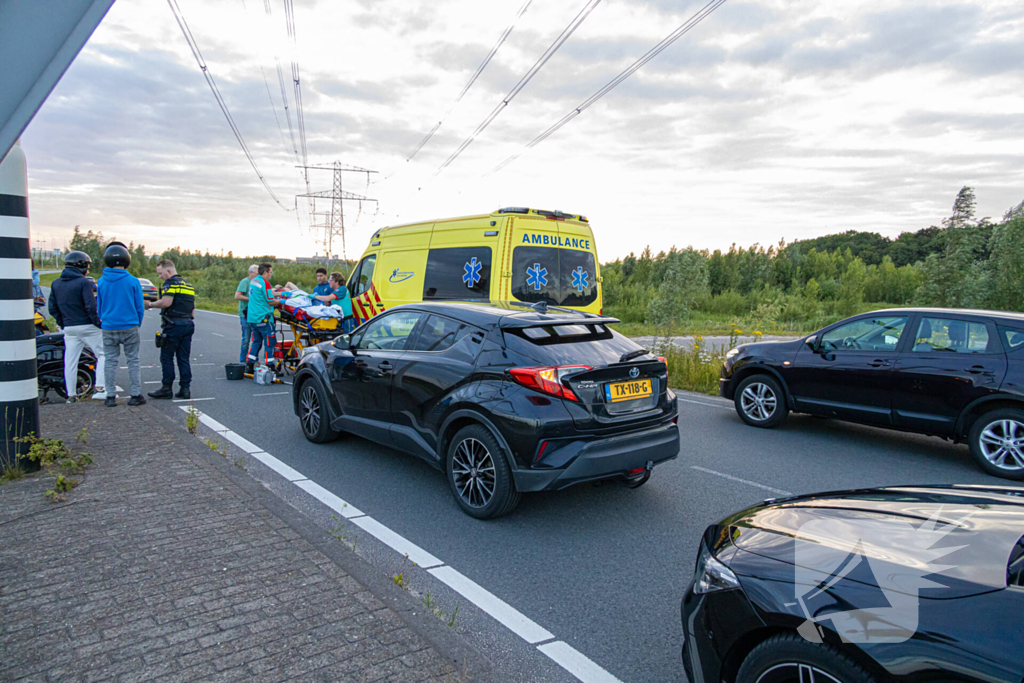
[(771, 119)]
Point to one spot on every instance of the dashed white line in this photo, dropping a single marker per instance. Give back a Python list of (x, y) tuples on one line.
[(188, 400), (329, 499), (509, 616), (704, 403), (741, 481), (216, 334), (273, 393), (576, 663), (570, 659), (155, 381)]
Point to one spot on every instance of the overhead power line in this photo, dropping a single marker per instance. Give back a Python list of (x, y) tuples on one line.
[(538, 65), (479, 70), (270, 97), (635, 66), (179, 17)]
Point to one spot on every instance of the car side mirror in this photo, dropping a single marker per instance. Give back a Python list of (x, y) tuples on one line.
[(342, 342), (812, 342)]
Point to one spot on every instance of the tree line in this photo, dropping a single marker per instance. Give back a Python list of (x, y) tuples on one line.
[(965, 263)]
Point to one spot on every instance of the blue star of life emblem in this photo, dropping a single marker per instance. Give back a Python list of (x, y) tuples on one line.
[(579, 279), (536, 277), (472, 274)]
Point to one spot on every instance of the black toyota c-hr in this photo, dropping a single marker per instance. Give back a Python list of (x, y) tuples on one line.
[(504, 398)]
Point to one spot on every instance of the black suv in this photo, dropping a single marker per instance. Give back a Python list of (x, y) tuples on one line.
[(503, 398), (953, 373)]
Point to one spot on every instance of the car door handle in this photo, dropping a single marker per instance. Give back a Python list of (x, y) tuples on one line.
[(979, 370), (879, 363), (384, 366)]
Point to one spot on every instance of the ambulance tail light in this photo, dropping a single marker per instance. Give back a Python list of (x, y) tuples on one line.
[(548, 380)]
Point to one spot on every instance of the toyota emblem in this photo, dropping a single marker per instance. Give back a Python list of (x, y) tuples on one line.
[(634, 373)]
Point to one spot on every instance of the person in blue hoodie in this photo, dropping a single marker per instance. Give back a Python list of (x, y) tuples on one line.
[(120, 307)]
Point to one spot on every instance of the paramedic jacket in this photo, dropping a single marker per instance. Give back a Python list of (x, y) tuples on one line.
[(184, 302)]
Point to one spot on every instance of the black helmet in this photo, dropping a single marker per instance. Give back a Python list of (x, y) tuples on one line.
[(78, 260), (117, 256)]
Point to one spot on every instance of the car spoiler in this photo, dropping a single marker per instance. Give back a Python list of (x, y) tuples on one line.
[(513, 322)]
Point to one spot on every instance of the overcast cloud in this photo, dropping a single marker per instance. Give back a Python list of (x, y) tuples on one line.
[(771, 119)]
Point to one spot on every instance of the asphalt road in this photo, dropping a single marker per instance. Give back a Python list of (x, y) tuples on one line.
[(602, 568)]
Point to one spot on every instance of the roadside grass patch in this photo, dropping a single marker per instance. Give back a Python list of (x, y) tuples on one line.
[(694, 369), (58, 461)]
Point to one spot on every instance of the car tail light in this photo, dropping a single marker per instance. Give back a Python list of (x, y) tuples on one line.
[(548, 380), (540, 451), (663, 359), (638, 470)]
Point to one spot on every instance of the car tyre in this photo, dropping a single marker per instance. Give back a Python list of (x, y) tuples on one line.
[(760, 401), (997, 443), (788, 657), (314, 416), (479, 474)]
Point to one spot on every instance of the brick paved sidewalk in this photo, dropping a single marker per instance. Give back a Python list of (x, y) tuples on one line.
[(166, 565)]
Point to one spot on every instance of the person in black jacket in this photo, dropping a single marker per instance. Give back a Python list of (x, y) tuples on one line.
[(73, 306)]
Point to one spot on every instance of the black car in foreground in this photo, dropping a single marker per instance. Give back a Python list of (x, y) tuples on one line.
[(957, 374), (504, 398), (900, 584)]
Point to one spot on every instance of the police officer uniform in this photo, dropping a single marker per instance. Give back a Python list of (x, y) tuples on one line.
[(177, 328)]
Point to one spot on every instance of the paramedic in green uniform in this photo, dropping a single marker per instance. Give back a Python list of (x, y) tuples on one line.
[(261, 316)]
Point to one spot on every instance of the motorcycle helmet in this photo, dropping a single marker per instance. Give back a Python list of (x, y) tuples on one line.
[(117, 256), (78, 260)]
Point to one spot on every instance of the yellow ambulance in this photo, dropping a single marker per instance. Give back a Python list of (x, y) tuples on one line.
[(513, 254)]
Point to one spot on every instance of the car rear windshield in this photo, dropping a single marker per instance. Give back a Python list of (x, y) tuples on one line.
[(1014, 338), (593, 345), (563, 277)]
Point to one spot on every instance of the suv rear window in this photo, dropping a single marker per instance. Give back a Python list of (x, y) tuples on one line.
[(1014, 338), (562, 277), (458, 273), (598, 347)]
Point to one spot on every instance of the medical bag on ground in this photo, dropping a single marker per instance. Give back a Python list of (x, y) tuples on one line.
[(264, 375)]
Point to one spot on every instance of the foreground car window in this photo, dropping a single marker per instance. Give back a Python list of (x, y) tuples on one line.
[(389, 332), (439, 334), (867, 334), (1014, 338), (953, 336)]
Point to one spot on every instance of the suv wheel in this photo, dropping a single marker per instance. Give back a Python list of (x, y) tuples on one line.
[(479, 475), (788, 658), (760, 401), (313, 414), (997, 443)]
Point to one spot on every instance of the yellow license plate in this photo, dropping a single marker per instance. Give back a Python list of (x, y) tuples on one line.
[(626, 391)]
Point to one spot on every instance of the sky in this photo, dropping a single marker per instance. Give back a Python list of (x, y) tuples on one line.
[(769, 120)]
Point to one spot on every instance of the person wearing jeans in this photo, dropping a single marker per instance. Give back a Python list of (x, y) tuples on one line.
[(242, 297), (261, 316), (73, 305), (121, 308)]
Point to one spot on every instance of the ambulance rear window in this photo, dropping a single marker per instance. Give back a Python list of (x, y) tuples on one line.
[(458, 273), (562, 277)]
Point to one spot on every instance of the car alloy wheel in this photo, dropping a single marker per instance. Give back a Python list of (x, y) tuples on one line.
[(473, 471), (759, 401), (309, 408), (1002, 444), (794, 672)]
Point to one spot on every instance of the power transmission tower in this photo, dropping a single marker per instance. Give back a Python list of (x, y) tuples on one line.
[(333, 221)]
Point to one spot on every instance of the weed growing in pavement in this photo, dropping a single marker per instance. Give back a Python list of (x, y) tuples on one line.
[(240, 463), (337, 533), (431, 604), (58, 461), (451, 622), (192, 420), (399, 578), (11, 473)]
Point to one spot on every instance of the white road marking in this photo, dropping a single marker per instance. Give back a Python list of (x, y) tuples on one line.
[(705, 403), (570, 659), (230, 315), (243, 443), (329, 499), (274, 393), (216, 335), (510, 617), (741, 481), (155, 381), (141, 367), (186, 400), (273, 463), (404, 546)]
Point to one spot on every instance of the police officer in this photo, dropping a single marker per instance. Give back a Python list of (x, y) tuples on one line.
[(178, 301)]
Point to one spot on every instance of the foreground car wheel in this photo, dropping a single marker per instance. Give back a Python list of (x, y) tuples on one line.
[(760, 401), (788, 658), (479, 475), (313, 414), (997, 443)]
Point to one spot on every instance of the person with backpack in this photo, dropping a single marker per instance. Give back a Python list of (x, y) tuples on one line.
[(73, 305), (120, 304)]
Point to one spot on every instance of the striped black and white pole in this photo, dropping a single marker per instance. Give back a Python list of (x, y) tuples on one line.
[(19, 393)]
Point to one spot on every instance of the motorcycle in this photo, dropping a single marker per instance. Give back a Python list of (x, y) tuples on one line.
[(50, 368)]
